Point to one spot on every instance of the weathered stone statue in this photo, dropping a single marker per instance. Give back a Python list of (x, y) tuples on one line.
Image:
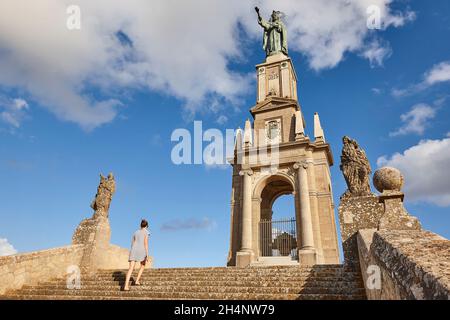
[(275, 34), (103, 198), (355, 168), (95, 233)]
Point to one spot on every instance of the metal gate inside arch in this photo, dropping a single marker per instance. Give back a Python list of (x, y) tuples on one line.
[(278, 238)]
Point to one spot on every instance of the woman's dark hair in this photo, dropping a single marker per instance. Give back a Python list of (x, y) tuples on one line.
[(144, 223)]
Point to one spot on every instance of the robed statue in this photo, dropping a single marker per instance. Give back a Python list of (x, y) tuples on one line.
[(275, 34), (356, 169)]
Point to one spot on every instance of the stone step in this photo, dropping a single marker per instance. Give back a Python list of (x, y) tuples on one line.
[(252, 283), (219, 282), (191, 297), (236, 275), (226, 278), (149, 283), (242, 273), (264, 270), (176, 290), (207, 269), (236, 269), (202, 293)]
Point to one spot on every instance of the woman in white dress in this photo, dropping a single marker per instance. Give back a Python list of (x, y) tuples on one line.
[(138, 253)]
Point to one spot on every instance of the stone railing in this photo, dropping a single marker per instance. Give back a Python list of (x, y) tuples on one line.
[(31, 268), (397, 258), (404, 264)]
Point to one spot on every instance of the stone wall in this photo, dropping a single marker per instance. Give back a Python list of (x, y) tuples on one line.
[(412, 264), (117, 258), (31, 268)]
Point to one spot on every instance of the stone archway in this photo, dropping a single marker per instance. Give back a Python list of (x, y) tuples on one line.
[(273, 238)]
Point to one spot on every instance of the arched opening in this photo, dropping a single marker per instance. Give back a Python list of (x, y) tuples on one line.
[(277, 226), (283, 207)]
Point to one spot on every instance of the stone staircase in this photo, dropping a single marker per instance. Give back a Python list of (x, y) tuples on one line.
[(331, 282)]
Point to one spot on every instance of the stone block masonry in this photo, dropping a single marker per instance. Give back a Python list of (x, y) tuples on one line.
[(413, 264)]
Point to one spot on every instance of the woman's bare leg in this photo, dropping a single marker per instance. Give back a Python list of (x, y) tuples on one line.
[(127, 279), (141, 270)]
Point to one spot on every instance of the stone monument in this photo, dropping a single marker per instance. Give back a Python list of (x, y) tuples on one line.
[(95, 233), (302, 169)]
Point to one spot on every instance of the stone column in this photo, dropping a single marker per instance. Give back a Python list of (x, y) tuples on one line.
[(307, 253), (314, 204), (245, 255)]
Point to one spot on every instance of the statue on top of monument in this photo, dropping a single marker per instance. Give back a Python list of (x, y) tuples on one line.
[(103, 198), (275, 33), (356, 169)]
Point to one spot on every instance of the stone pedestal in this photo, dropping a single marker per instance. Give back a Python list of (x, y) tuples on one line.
[(92, 230), (276, 78), (389, 181), (356, 213), (244, 258), (307, 257), (94, 234), (395, 216)]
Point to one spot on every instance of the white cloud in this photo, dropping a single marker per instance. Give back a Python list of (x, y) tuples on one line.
[(222, 119), (376, 91), (325, 30), (400, 92), (6, 248), (179, 48), (376, 53), (189, 224), (439, 73), (13, 111), (416, 120), (425, 168)]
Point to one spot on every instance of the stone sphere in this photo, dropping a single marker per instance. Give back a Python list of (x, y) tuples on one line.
[(388, 178)]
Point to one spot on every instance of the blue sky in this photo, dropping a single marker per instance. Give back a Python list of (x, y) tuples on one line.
[(69, 112)]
